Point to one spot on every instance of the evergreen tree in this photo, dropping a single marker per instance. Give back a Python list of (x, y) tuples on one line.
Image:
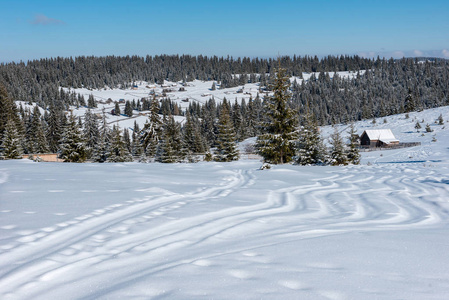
[(35, 140), (417, 126), (337, 156), (171, 147), (91, 103), (440, 120), (39, 139), (91, 132), (227, 148), (208, 127), (8, 111), (143, 158), (410, 104), (128, 109), (310, 147), (127, 139), (101, 150), (237, 120), (117, 109), (81, 100), (276, 144), (118, 152), (11, 147), (251, 121), (136, 147), (353, 153), (72, 142), (151, 131), (54, 128), (192, 137)]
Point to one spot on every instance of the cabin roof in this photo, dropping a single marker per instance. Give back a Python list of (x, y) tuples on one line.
[(384, 135)]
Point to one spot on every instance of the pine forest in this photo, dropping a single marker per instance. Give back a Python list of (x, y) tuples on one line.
[(284, 116)]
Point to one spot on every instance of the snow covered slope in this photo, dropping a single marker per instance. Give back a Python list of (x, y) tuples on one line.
[(229, 230), (194, 91)]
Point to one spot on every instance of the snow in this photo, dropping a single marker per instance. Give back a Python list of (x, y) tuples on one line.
[(231, 231)]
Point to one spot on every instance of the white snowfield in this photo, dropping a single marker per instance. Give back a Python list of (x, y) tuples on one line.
[(229, 230)]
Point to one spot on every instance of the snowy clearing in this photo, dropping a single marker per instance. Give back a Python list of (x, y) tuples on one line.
[(229, 230)]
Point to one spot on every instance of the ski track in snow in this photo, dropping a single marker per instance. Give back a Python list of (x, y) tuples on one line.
[(98, 248)]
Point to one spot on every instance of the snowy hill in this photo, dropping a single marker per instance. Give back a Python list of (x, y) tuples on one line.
[(432, 143), (195, 91), (231, 231)]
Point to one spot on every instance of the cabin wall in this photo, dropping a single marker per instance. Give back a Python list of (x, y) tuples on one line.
[(364, 140), (49, 157)]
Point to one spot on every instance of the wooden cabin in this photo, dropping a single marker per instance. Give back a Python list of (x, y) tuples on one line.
[(378, 138), (49, 157)]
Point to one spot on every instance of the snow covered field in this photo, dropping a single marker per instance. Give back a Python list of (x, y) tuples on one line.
[(230, 231)]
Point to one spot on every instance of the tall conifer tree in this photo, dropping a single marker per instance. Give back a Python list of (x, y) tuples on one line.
[(171, 148), (227, 148), (338, 152), (91, 132), (101, 150), (38, 138), (118, 152), (310, 148), (277, 144), (353, 152), (10, 146), (72, 143), (151, 131)]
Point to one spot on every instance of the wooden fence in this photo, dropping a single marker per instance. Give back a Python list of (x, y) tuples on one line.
[(368, 148)]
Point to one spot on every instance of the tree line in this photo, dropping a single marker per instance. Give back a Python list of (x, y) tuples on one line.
[(162, 139), (381, 87)]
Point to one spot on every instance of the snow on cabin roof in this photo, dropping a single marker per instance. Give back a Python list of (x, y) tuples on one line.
[(384, 135)]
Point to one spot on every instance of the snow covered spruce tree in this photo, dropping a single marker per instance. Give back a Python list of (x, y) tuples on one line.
[(91, 132), (36, 141), (195, 142), (151, 131), (410, 104), (9, 112), (101, 149), (277, 144), (73, 148), (338, 153), (54, 128), (11, 143), (118, 152), (91, 102), (227, 148), (128, 109), (171, 147), (310, 148), (353, 152)]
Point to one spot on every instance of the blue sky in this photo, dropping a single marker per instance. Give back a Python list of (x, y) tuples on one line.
[(36, 29)]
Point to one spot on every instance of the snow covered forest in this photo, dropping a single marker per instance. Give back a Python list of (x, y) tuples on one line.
[(316, 95)]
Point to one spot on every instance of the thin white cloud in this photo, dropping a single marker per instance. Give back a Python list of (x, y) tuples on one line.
[(40, 19), (406, 53), (397, 54)]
